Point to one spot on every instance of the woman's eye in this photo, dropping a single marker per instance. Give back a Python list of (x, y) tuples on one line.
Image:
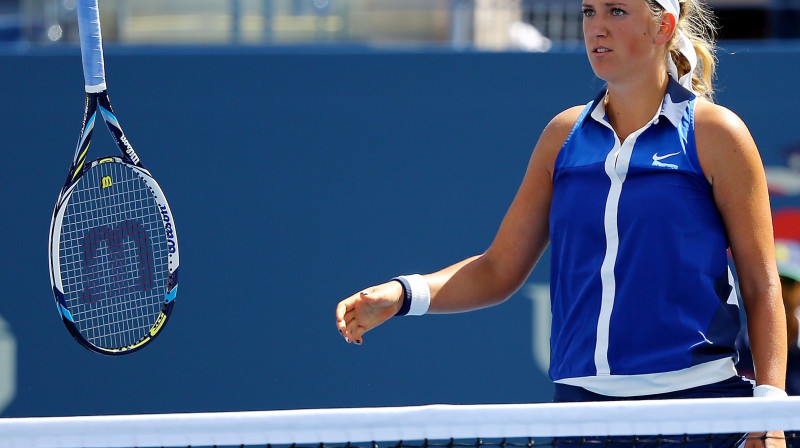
[(617, 12), (588, 12)]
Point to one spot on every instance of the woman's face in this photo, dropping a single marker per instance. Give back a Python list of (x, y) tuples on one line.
[(622, 39)]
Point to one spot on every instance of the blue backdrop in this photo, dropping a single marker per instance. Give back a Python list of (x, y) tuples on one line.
[(296, 178)]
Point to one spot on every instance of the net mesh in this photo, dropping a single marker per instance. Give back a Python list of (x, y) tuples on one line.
[(695, 423), (113, 256)]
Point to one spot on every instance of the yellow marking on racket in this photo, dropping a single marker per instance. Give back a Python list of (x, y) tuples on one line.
[(105, 182), (107, 159), (159, 323), (131, 347), (153, 331), (82, 159)]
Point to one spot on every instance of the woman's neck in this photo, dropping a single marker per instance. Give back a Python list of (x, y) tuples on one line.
[(631, 105)]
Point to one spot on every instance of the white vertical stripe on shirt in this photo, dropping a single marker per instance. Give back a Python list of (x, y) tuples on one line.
[(609, 284), (616, 167)]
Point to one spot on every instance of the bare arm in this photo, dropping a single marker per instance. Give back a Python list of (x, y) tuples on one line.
[(485, 279), (731, 162), (523, 235)]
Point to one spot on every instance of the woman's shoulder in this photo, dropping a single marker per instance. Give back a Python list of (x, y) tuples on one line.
[(567, 117), (718, 122), (553, 137), (722, 139), (557, 131)]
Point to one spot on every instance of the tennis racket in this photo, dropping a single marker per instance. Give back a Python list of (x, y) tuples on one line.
[(113, 243)]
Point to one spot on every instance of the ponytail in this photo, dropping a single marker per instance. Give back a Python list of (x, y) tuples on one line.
[(698, 24)]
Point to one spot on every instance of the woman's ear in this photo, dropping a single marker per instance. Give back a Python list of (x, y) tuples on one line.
[(666, 28)]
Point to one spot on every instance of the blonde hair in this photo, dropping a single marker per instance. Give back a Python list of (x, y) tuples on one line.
[(697, 22)]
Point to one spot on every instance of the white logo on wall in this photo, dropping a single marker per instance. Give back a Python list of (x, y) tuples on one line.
[(8, 364), (539, 293)]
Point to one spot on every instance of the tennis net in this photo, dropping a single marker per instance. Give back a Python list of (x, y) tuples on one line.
[(698, 422)]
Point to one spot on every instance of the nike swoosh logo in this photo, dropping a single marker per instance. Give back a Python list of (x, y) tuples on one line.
[(657, 157)]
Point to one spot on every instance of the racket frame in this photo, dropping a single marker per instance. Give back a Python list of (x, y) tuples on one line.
[(97, 100)]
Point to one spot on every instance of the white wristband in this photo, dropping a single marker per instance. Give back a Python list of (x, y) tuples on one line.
[(767, 391), (416, 295)]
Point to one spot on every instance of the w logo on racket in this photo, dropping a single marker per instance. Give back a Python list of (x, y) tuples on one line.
[(109, 253), (105, 182)]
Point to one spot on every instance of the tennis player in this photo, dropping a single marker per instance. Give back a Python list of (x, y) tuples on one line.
[(640, 193)]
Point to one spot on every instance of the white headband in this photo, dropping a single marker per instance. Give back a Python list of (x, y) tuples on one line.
[(684, 46)]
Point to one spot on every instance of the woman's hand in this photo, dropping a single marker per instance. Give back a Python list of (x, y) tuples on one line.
[(772, 439), (367, 309)]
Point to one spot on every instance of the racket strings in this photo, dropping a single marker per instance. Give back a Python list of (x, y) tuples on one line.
[(114, 256)]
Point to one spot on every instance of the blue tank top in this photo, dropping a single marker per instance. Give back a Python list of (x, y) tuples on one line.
[(641, 294)]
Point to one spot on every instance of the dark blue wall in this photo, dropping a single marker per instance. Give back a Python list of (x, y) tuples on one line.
[(296, 178)]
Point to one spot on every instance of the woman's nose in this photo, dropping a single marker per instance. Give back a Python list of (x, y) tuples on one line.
[(596, 26)]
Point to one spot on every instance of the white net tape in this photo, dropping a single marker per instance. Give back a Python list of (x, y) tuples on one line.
[(433, 422)]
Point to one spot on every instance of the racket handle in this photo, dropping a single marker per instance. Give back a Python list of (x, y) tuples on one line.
[(94, 73)]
